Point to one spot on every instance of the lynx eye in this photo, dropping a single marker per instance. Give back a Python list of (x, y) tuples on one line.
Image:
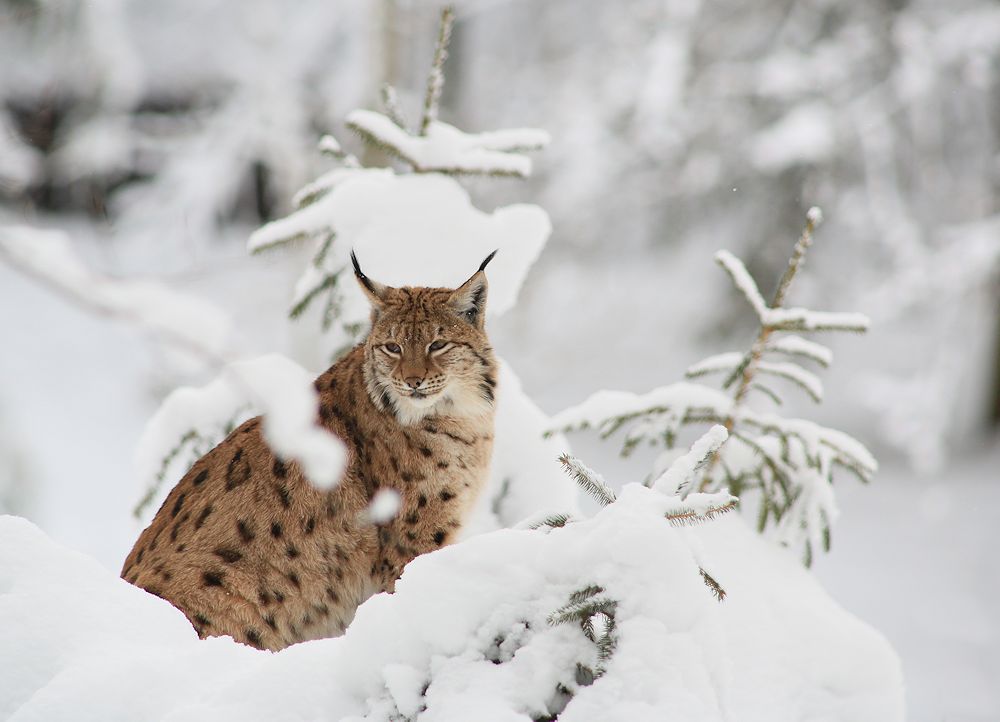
[(437, 345), (392, 348)]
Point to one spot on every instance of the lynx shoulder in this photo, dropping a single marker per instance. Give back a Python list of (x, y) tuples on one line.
[(245, 546)]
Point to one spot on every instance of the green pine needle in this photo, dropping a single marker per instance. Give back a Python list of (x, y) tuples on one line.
[(554, 521), (595, 616), (188, 439), (299, 308), (588, 479), (757, 386), (688, 517), (280, 242), (710, 582), (323, 249)]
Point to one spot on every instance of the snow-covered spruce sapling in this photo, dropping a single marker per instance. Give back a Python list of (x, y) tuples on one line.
[(675, 483), (591, 607), (190, 447), (594, 612), (789, 462), (434, 147), (416, 228)]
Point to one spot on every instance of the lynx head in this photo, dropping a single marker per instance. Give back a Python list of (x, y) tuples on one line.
[(427, 352)]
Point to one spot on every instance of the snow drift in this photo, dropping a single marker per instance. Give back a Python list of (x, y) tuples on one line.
[(465, 637)]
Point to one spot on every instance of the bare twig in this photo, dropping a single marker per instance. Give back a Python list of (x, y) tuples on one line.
[(435, 80), (748, 369), (166, 334)]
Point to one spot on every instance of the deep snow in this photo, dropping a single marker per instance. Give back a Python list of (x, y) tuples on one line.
[(906, 555), (465, 637)]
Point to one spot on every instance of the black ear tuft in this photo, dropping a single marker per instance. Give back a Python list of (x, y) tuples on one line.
[(469, 299), (365, 281), (482, 266)]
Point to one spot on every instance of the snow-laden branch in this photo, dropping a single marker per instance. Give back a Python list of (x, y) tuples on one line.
[(179, 319), (810, 515), (818, 441), (742, 280), (801, 347), (316, 212), (676, 480), (383, 216), (608, 410), (787, 319), (330, 146), (806, 380), (696, 508), (719, 363), (699, 507), (310, 193), (766, 391), (390, 101), (588, 479), (435, 79), (444, 148), (187, 424), (189, 420), (804, 319)]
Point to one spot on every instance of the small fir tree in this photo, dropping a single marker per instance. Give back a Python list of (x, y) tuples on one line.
[(434, 147), (412, 223), (790, 463), (591, 607)]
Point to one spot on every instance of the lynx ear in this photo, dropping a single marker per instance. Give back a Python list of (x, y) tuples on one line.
[(469, 299), (376, 292)]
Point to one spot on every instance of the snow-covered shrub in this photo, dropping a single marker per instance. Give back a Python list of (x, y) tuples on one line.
[(590, 607), (789, 462), (413, 226)]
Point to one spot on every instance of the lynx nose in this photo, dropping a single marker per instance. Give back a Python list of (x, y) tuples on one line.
[(413, 381)]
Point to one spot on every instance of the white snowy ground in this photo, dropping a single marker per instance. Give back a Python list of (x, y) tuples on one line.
[(917, 559), (911, 558), (464, 637)]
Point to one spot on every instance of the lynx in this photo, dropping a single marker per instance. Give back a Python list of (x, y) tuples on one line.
[(245, 546)]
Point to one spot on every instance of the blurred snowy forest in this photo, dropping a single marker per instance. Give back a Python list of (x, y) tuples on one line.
[(160, 135), (161, 132)]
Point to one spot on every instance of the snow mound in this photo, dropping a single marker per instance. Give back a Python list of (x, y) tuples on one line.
[(446, 149), (80, 643), (440, 248)]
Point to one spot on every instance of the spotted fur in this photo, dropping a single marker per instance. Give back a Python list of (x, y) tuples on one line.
[(258, 553)]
